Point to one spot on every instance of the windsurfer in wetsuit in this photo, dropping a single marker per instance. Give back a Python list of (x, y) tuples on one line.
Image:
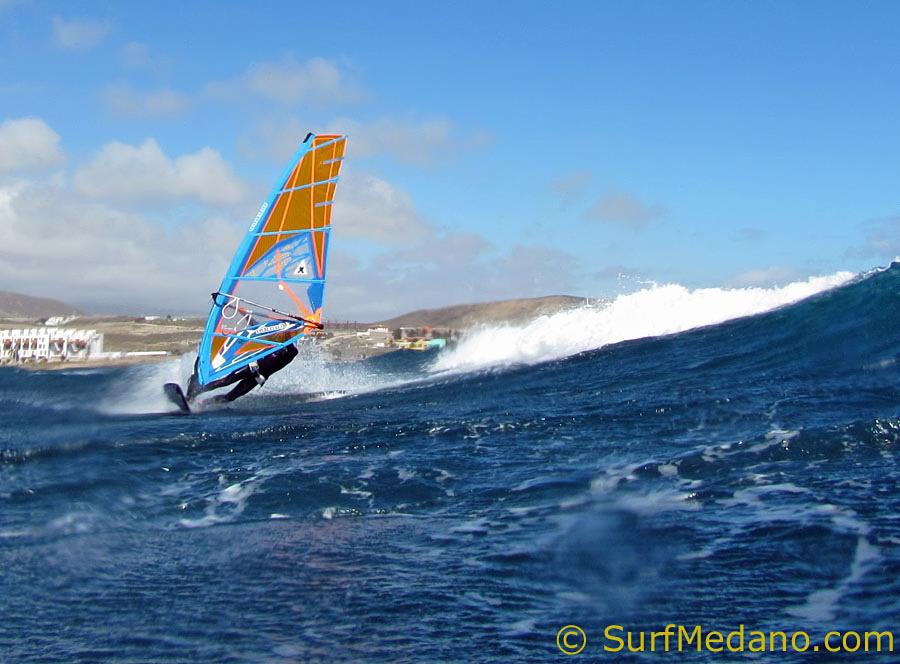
[(248, 377)]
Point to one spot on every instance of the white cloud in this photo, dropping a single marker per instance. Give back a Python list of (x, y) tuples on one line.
[(417, 142), (274, 139), (423, 266), (373, 209), (121, 99), (468, 270), (624, 208), (55, 243), (78, 35), (26, 144), (436, 250), (317, 81), (530, 270), (88, 242), (408, 140), (571, 187), (145, 174), (137, 55)]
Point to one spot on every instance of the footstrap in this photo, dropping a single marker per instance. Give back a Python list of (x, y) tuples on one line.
[(258, 377)]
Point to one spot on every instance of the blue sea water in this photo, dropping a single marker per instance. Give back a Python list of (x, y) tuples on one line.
[(450, 508)]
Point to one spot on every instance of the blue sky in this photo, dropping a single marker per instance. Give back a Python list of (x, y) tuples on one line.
[(496, 149)]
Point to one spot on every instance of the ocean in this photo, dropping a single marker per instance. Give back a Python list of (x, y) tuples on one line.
[(711, 457)]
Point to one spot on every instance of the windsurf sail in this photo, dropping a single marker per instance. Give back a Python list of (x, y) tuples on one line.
[(273, 291)]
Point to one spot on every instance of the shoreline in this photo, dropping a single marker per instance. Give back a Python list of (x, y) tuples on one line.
[(90, 364)]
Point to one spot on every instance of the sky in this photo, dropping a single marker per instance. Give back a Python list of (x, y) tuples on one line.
[(495, 150)]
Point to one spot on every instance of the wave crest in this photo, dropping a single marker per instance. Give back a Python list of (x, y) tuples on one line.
[(650, 312)]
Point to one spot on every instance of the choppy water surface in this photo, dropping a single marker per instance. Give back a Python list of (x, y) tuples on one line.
[(464, 506)]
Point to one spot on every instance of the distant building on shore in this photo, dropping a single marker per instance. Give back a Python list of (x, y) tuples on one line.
[(377, 337), (55, 321), (49, 344), (414, 333)]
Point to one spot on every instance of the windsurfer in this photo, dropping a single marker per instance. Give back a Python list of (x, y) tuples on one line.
[(248, 377), (283, 254)]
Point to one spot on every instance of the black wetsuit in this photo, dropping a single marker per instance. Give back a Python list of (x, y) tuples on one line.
[(255, 373)]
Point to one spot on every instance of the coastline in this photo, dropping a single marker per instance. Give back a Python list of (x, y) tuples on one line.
[(91, 364)]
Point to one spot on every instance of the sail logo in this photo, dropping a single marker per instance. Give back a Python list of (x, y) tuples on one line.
[(259, 215), (286, 325), (219, 361)]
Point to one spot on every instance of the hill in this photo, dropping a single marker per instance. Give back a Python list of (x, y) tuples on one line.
[(16, 305), (462, 316)]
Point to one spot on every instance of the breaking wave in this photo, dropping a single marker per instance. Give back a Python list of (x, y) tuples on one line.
[(650, 312)]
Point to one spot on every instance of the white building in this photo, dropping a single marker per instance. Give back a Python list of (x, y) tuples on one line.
[(55, 321), (379, 337), (49, 344)]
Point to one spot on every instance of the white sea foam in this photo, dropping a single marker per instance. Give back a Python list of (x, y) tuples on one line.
[(228, 504), (140, 388), (313, 373), (653, 311), (822, 605)]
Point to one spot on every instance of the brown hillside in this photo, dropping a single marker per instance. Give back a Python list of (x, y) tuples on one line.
[(16, 305), (462, 316)]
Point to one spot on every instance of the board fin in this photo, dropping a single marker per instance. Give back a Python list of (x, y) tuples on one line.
[(176, 396)]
